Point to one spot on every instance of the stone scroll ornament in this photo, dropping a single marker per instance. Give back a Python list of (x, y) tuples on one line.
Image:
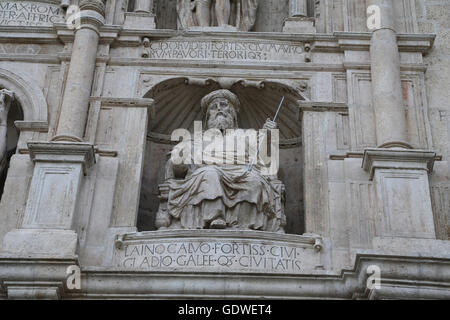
[(209, 195), (6, 98), (237, 14)]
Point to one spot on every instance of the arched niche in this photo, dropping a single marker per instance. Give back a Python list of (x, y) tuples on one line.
[(28, 109), (29, 95), (177, 105)]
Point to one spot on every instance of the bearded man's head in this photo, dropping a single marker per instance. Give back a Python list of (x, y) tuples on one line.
[(220, 108)]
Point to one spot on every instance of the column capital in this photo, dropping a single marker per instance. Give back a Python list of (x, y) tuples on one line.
[(378, 158), (67, 152), (93, 5), (92, 15)]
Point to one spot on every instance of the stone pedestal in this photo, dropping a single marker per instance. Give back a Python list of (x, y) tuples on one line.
[(139, 20), (403, 192), (299, 25), (298, 21), (52, 201), (142, 18)]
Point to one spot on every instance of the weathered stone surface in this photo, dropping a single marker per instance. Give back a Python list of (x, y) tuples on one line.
[(111, 93), (30, 13), (219, 251)]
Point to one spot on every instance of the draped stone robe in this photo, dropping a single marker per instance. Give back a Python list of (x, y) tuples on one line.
[(243, 14), (249, 203)]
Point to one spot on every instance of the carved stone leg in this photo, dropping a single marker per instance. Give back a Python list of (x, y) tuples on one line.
[(223, 12), (203, 13)]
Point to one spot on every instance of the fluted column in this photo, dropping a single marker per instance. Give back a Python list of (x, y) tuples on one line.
[(75, 104), (386, 82)]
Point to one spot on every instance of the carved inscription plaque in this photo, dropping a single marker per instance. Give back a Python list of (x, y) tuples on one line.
[(224, 254), (29, 13), (229, 50)]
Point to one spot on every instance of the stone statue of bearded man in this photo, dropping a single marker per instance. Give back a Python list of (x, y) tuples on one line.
[(218, 194)]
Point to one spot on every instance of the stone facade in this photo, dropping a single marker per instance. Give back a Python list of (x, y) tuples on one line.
[(97, 88)]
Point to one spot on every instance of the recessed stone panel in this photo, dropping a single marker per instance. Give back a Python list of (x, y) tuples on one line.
[(226, 50), (218, 251), (30, 13)]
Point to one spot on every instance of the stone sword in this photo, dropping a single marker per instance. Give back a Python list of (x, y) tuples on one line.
[(250, 168)]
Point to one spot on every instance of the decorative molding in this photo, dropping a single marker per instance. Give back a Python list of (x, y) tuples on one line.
[(62, 152), (407, 42), (27, 92), (38, 126), (378, 158)]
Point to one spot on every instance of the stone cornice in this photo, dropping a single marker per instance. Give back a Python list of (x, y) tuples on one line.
[(428, 274), (28, 34), (125, 102), (51, 35), (407, 42), (336, 42), (348, 284), (39, 126), (108, 33), (321, 107), (307, 239), (245, 65), (128, 103)]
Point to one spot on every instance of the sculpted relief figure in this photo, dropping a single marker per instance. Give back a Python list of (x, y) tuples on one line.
[(214, 194), (239, 14), (6, 97)]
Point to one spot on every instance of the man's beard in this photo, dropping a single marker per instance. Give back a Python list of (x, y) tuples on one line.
[(221, 122)]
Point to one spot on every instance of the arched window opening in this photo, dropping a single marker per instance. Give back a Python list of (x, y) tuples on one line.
[(10, 111)]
